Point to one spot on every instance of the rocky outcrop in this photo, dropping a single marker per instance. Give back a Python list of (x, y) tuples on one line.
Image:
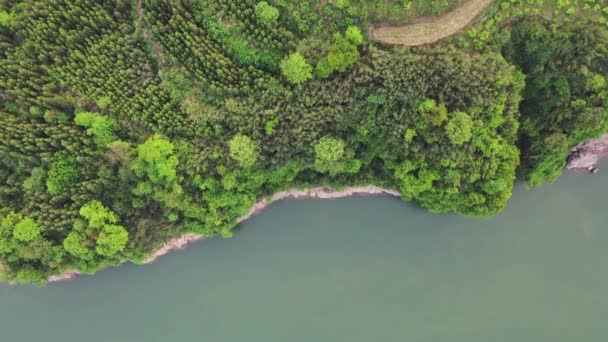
[(588, 154), (317, 192), (69, 275), (180, 242)]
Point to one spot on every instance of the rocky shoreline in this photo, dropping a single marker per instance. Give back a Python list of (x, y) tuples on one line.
[(182, 241), (587, 155)]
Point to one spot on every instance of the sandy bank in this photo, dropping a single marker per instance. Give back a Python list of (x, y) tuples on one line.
[(180, 242)]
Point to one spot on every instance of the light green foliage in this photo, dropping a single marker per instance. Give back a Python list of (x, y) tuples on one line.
[(459, 129), (353, 35), (552, 152), (100, 223), (97, 215), (331, 157), (74, 244), (342, 54), (296, 69), (26, 230), (155, 160), (29, 274), (111, 240), (409, 135), (100, 127), (414, 180), (270, 125), (104, 102), (243, 150), (64, 173), (328, 155), (340, 3), (266, 14), (5, 18)]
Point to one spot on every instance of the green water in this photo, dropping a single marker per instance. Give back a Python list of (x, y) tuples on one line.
[(356, 269)]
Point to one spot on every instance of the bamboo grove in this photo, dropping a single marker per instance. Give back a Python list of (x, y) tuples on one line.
[(124, 123)]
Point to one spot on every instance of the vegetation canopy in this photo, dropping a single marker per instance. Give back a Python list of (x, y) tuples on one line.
[(124, 123)]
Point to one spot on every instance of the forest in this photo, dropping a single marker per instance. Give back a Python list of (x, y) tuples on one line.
[(124, 123)]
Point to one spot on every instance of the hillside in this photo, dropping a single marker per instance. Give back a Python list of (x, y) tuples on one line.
[(125, 123)]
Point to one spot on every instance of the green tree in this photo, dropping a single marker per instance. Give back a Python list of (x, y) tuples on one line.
[(342, 54), (353, 35), (64, 173), (74, 244), (266, 14), (243, 150), (97, 215), (100, 127), (155, 160), (26, 230), (458, 128), (111, 240), (295, 68), (329, 155)]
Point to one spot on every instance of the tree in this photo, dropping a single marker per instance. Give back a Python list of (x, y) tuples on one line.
[(26, 230), (111, 240), (550, 158), (353, 35), (295, 68), (342, 54), (458, 128), (155, 160), (100, 127), (243, 150), (266, 14), (329, 155), (64, 173), (74, 244), (97, 215)]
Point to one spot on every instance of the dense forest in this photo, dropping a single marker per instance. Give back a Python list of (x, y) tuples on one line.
[(124, 123)]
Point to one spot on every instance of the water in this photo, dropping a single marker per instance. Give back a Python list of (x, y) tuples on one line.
[(356, 269)]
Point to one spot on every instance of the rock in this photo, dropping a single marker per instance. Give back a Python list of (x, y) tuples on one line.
[(587, 155)]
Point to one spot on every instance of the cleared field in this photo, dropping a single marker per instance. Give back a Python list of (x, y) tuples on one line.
[(429, 30)]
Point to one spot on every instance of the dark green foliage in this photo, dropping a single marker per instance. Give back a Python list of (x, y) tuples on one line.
[(566, 97), (122, 126), (64, 173)]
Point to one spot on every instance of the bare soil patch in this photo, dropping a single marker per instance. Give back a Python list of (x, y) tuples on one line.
[(428, 30)]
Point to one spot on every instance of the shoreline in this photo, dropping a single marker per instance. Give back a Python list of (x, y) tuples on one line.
[(320, 192), (588, 155)]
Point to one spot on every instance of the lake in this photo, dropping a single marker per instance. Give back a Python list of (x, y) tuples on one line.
[(354, 269)]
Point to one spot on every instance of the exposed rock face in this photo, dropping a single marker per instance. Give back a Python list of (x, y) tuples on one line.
[(588, 154), (173, 244), (69, 275)]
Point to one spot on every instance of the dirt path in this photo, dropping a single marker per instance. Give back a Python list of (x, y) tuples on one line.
[(429, 30)]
